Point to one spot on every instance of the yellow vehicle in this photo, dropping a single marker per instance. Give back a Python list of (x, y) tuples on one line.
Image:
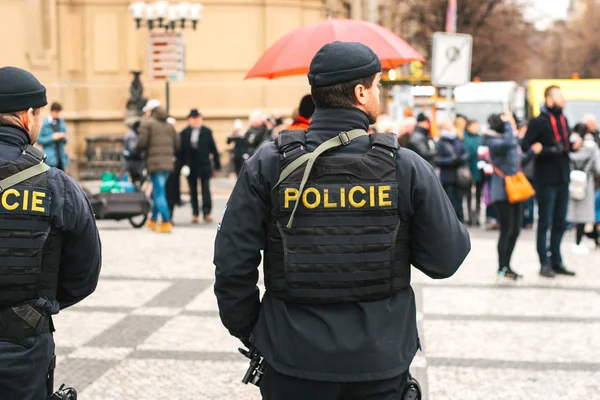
[(582, 96)]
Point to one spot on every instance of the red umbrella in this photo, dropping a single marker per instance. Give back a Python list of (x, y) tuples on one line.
[(292, 54)]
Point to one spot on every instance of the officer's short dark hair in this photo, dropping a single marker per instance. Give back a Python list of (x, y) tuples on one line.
[(340, 95), (14, 118), (56, 107), (549, 89)]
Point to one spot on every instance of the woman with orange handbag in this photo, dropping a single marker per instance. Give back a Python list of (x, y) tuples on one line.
[(508, 186)]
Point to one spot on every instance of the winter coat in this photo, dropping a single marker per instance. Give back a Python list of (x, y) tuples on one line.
[(54, 150), (452, 155), (256, 136), (422, 144), (134, 161), (552, 165), (198, 158), (506, 156), (159, 140), (472, 143), (583, 211)]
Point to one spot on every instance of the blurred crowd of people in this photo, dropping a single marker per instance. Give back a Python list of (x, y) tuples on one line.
[(473, 162)]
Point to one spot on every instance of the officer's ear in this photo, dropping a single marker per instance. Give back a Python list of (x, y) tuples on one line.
[(26, 118), (361, 94)]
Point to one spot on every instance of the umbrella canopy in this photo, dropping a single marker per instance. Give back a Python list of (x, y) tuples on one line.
[(292, 54)]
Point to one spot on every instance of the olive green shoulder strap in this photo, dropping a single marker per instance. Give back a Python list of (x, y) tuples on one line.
[(343, 139), (22, 176)]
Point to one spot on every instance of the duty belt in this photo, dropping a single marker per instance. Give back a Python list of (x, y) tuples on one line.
[(23, 321)]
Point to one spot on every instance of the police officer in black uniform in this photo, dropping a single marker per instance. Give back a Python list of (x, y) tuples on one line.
[(341, 217), (49, 243)]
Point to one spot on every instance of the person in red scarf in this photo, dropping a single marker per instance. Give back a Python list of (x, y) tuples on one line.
[(551, 178), (305, 112)]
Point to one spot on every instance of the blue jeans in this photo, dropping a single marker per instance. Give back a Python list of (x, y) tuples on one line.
[(528, 210), (159, 194), (553, 202)]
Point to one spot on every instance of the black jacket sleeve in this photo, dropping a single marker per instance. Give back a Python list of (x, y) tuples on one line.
[(81, 256), (184, 146), (240, 238), (439, 241), (213, 150)]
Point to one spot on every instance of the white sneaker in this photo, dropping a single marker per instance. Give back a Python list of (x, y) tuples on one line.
[(580, 249)]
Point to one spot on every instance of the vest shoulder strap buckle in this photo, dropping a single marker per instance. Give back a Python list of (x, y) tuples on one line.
[(344, 138)]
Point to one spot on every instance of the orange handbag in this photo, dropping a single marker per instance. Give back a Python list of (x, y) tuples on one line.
[(518, 188)]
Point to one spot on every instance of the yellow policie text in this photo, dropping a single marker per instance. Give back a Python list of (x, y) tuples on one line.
[(24, 200), (340, 197)]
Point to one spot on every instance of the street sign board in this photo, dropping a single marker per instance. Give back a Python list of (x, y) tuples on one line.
[(166, 56), (451, 59)]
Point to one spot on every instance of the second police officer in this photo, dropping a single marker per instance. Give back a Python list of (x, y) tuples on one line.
[(341, 216), (50, 251)]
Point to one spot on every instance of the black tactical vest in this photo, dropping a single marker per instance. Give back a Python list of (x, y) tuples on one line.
[(347, 242), (30, 249)]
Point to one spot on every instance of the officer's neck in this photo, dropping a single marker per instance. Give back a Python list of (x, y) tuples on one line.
[(14, 134), (339, 119)]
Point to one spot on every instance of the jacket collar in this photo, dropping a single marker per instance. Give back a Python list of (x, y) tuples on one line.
[(420, 129), (338, 120), (14, 135)]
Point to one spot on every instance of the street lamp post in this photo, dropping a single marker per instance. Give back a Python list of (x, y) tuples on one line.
[(165, 15)]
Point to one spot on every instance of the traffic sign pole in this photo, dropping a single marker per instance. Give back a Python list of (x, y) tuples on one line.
[(166, 57), (450, 28)]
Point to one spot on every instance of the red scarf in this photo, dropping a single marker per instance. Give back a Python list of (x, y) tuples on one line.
[(564, 129)]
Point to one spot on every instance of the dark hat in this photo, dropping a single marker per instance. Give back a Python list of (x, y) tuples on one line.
[(194, 113), (340, 62), (307, 107), (422, 117), (20, 90)]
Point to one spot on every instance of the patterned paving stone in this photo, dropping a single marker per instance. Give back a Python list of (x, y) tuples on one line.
[(181, 293), (511, 302), (513, 341), (74, 328), (123, 292), (79, 373), (448, 383), (129, 332), (172, 379), (191, 333)]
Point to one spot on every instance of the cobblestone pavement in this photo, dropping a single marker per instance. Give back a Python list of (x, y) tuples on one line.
[(152, 331)]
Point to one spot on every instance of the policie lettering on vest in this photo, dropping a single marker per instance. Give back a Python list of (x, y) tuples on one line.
[(341, 197), (25, 200)]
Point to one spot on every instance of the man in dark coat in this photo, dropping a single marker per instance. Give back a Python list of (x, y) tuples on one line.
[(258, 131), (197, 144), (345, 347), (551, 178), (421, 141), (48, 235)]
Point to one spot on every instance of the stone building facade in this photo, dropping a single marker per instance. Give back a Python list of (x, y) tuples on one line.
[(84, 50)]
